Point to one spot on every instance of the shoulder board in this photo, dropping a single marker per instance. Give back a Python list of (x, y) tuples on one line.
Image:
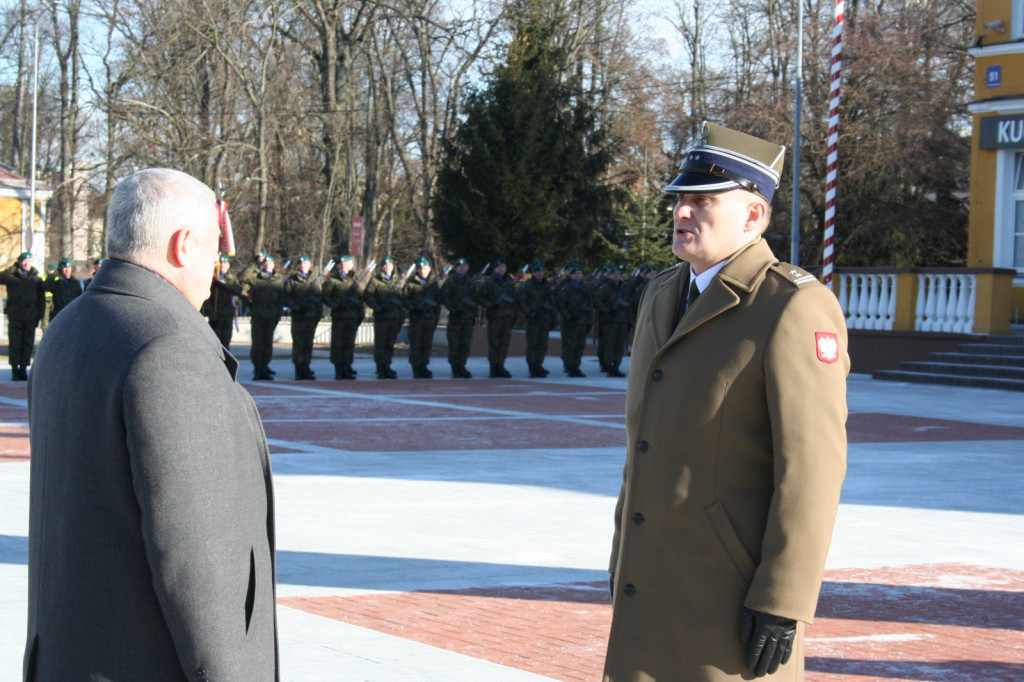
[(794, 275), (670, 269)]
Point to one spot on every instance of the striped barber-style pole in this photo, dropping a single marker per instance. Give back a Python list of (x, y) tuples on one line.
[(833, 146)]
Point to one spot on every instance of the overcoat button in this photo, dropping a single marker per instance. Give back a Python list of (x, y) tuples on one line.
[(642, 446), (629, 589), (658, 374), (638, 518)]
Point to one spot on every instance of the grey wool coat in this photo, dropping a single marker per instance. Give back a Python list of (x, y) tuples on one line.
[(151, 526), (736, 452)]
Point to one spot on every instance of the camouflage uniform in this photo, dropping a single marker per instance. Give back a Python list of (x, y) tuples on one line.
[(266, 299), (342, 293), (26, 304), (497, 296), (219, 308), (64, 290), (303, 291), (577, 311), (383, 295), (536, 302), (458, 294), (422, 298), (611, 299)]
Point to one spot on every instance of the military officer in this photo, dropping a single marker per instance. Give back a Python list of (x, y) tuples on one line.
[(266, 302), (577, 311), (384, 296), (736, 439), (611, 299), (458, 294), (302, 289), (219, 308), (497, 295), (26, 305), (423, 301), (63, 286), (535, 299), (343, 295)]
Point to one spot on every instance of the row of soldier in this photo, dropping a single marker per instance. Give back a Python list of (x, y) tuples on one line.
[(568, 301), (32, 299)]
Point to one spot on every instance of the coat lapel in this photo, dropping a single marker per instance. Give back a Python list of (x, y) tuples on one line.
[(665, 302), (739, 277)]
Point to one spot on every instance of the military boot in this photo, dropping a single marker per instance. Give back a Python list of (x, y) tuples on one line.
[(392, 374), (502, 372), (464, 373), (425, 373)]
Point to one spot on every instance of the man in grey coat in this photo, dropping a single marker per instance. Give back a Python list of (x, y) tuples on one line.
[(151, 536)]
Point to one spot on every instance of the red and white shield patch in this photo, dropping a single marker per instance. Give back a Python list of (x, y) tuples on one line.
[(827, 345)]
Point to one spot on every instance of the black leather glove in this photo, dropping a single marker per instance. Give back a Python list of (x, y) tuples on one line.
[(769, 640)]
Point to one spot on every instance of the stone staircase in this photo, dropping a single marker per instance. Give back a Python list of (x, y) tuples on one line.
[(988, 362)]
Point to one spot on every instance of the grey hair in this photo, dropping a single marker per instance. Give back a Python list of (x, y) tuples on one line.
[(149, 205)]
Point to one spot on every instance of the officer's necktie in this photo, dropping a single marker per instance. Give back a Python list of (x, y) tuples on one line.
[(691, 295)]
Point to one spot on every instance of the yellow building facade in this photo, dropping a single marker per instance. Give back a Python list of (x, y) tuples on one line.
[(996, 236), (18, 231)]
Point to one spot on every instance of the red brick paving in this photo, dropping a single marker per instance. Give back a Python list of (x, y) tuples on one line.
[(942, 623), (939, 623)]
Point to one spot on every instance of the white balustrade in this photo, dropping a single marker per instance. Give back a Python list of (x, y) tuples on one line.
[(868, 300), (945, 303)]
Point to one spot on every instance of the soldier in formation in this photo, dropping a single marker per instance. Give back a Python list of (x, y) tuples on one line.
[(26, 305), (302, 289), (614, 311), (497, 295), (220, 307), (423, 301), (576, 308), (458, 295), (63, 286), (537, 305), (266, 301), (343, 295), (384, 296)]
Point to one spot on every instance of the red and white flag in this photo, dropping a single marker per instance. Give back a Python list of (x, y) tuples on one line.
[(227, 237)]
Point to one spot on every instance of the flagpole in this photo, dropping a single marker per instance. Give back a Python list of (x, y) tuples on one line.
[(833, 148), (794, 242), (26, 244)]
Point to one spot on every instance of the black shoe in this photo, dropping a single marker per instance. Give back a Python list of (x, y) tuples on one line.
[(535, 372), (502, 372), (614, 372), (494, 371), (299, 375), (308, 373), (269, 372), (351, 370), (425, 373), (543, 372), (465, 373), (392, 374), (416, 372)]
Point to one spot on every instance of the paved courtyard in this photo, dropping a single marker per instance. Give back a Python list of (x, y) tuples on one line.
[(458, 531)]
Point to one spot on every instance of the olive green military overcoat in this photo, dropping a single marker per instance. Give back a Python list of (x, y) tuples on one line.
[(736, 454)]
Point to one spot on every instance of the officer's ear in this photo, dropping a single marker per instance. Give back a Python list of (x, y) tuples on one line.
[(757, 215)]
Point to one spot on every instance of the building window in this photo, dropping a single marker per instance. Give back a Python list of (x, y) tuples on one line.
[(1018, 203)]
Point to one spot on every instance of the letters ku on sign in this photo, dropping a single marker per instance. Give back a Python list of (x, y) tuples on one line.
[(355, 239), (1002, 132)]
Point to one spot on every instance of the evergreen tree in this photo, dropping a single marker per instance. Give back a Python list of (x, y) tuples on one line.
[(523, 177)]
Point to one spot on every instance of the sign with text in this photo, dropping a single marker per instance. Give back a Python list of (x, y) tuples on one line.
[(1002, 132), (355, 237)]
